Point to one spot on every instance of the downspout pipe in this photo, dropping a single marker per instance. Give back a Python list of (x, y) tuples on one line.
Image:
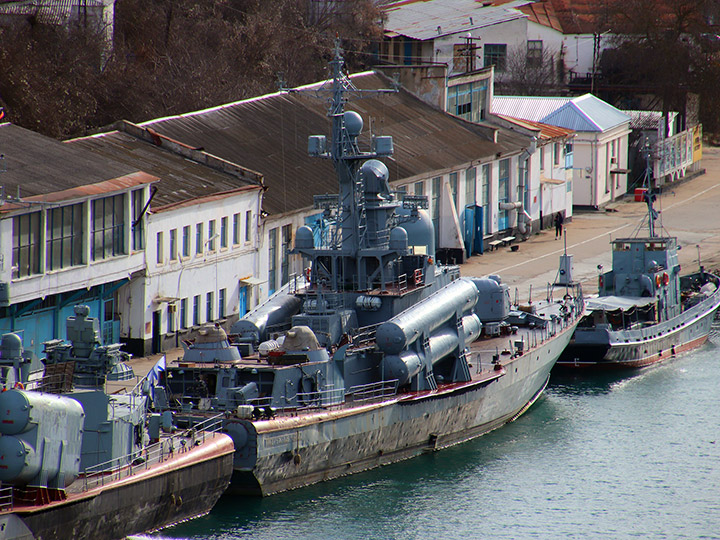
[(522, 213)]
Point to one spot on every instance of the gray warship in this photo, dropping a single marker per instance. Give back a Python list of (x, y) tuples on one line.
[(79, 462), (376, 354), (645, 311)]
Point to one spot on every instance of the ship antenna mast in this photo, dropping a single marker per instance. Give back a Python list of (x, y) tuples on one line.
[(649, 195)]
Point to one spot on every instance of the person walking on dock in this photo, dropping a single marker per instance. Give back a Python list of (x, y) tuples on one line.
[(558, 225)]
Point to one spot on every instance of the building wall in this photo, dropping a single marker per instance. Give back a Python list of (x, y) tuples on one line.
[(511, 33), (158, 307), (594, 186), (41, 300)]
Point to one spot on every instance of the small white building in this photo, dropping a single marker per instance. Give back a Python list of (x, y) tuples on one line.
[(465, 35), (600, 162), (579, 30), (200, 239)]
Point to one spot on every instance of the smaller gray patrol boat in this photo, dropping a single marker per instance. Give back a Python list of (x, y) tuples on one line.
[(645, 311)]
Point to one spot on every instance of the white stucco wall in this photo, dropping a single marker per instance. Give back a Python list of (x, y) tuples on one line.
[(165, 283), (83, 276)]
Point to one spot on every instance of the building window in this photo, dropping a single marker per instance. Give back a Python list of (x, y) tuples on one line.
[(541, 151), (186, 241), (272, 260), (556, 154), (568, 156), (436, 185), (108, 227), (211, 235), (454, 188), (534, 53), (199, 238), (285, 254), (419, 188), (495, 54), (159, 248), (470, 186), (183, 313), (221, 303), (26, 244), (224, 232), (503, 192), (468, 100), (138, 224), (196, 310), (236, 229), (209, 300), (64, 237), (173, 244), (248, 223), (171, 318), (485, 172)]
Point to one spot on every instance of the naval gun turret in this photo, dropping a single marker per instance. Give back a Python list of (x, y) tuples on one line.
[(14, 361), (93, 362)]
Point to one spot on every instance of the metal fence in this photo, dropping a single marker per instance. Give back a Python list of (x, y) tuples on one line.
[(130, 464)]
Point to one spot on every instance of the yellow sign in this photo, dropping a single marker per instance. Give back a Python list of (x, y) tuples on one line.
[(697, 143)]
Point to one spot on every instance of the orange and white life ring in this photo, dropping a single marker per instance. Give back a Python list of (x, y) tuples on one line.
[(665, 279), (658, 280)]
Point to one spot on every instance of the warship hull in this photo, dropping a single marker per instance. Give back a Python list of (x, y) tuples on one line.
[(599, 348), (182, 487), (297, 451)]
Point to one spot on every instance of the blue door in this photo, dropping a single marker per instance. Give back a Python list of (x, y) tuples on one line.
[(473, 229), (242, 301)]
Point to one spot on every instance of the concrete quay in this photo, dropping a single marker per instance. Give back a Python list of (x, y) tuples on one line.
[(689, 210)]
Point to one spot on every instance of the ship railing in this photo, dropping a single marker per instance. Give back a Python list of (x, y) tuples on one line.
[(402, 283), (6, 499), (154, 454), (372, 391), (317, 399), (365, 337), (322, 398)]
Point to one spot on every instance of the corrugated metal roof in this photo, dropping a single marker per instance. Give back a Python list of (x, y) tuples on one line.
[(542, 13), (46, 11), (587, 113), (571, 16), (269, 134), (583, 113), (421, 19), (34, 164), (181, 179), (527, 107), (547, 131), (90, 190), (647, 119)]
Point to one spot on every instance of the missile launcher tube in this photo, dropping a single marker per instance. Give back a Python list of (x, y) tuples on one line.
[(398, 333), (409, 363), (41, 438), (277, 310)]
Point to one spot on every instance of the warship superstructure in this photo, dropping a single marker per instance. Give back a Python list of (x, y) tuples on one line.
[(376, 353), (79, 462), (645, 311)]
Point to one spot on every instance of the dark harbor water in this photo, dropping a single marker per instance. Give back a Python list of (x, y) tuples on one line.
[(636, 456)]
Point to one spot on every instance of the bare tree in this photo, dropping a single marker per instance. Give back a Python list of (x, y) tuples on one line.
[(531, 73), (172, 56), (660, 48)]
